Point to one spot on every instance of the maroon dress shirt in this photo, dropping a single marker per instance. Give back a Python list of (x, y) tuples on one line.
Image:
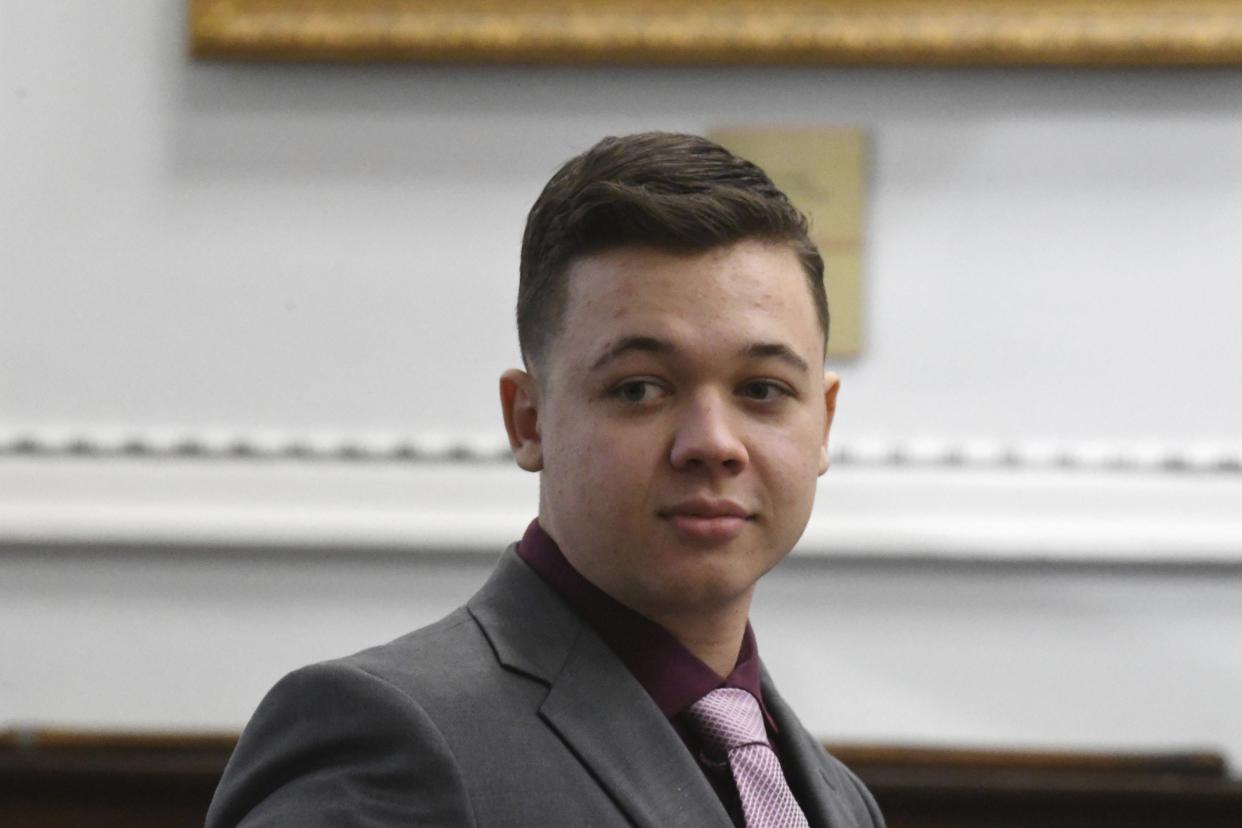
[(673, 676)]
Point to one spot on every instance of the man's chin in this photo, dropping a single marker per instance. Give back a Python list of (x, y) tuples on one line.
[(701, 589)]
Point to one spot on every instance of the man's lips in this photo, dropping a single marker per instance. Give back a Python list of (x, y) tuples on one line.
[(708, 521), (704, 507)]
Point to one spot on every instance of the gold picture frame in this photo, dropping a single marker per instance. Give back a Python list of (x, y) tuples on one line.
[(788, 32)]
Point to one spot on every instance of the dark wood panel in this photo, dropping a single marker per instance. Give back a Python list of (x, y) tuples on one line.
[(58, 779), (52, 779), (959, 788)]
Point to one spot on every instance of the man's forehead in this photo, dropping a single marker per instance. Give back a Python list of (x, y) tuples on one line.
[(617, 281), (620, 347), (749, 299), (643, 259), (744, 278)]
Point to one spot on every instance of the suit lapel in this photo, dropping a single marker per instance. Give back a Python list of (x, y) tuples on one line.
[(800, 755), (615, 728), (594, 704)]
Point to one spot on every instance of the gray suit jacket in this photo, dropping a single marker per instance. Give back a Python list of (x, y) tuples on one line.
[(508, 712)]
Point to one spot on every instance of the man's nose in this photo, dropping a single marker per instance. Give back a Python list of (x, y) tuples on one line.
[(707, 436)]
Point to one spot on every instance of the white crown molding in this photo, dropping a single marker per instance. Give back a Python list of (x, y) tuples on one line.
[(490, 449), (905, 507)]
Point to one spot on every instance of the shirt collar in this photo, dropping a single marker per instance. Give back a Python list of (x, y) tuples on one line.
[(672, 675)]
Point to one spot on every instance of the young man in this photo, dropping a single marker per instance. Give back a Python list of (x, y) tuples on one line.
[(673, 324)]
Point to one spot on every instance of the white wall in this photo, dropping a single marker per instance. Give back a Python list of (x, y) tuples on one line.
[(268, 254), (1052, 253), (931, 653)]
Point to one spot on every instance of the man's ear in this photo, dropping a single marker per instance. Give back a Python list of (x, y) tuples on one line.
[(832, 384), (519, 401)]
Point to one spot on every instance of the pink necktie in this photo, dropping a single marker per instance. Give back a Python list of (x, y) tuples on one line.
[(728, 720)]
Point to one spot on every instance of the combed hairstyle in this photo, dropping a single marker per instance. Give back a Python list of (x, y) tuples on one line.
[(672, 192)]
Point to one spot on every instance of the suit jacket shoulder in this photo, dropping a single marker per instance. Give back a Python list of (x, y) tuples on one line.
[(508, 712), (338, 743)]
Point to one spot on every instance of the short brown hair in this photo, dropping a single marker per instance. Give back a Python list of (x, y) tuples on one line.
[(678, 193)]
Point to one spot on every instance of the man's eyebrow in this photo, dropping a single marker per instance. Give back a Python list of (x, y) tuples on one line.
[(777, 350), (628, 344)]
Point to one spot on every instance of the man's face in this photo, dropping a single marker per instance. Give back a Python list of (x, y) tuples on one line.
[(682, 418)]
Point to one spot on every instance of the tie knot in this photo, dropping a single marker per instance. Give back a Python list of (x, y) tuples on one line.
[(728, 718)]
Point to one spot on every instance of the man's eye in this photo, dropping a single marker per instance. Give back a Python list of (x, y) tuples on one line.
[(636, 391), (760, 390)]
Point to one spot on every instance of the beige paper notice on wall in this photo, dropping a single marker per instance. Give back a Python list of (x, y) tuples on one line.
[(824, 172)]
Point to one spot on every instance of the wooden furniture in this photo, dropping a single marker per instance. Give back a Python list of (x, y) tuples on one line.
[(929, 788), (56, 779)]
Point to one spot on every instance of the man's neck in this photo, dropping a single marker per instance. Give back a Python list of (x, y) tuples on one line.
[(712, 632), (714, 637)]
